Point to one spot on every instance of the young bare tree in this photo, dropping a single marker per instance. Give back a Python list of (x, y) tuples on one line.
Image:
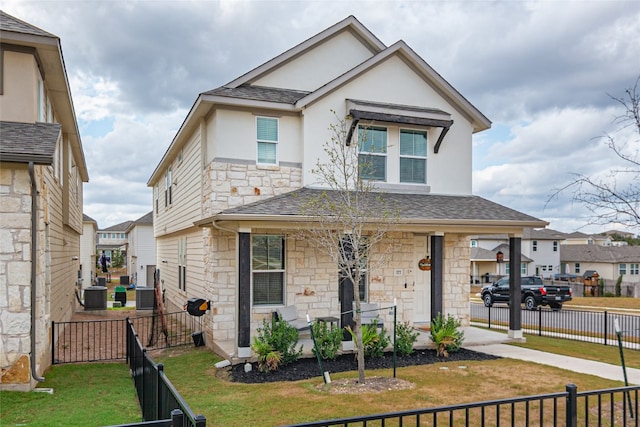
[(615, 198), (350, 218)]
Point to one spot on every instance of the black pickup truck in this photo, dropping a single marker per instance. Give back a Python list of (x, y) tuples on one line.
[(534, 293)]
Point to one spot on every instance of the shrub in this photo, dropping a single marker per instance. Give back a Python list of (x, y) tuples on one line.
[(327, 340), (406, 337), (445, 335), (619, 286), (276, 338)]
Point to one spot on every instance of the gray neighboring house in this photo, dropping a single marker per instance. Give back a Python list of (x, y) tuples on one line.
[(610, 262)]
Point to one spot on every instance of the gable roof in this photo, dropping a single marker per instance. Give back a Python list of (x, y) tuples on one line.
[(122, 227), (424, 209), (348, 24), (599, 253), (28, 142), (241, 92), (48, 52)]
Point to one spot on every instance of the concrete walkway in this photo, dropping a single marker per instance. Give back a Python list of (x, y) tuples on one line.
[(491, 342)]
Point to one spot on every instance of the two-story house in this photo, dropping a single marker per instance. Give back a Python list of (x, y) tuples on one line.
[(42, 171), (232, 181), (141, 253), (113, 238)]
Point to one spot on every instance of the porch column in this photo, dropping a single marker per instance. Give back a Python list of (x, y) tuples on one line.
[(437, 264), (244, 295), (515, 292)]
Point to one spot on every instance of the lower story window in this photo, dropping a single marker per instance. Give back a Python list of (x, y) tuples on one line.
[(267, 269)]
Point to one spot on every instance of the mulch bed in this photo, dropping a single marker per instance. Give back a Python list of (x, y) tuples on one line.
[(308, 367)]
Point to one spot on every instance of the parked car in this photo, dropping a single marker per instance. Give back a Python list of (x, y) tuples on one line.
[(534, 293)]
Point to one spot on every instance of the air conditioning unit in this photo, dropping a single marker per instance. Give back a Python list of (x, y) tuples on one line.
[(145, 298), (95, 298)]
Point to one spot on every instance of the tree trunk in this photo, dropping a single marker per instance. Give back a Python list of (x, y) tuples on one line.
[(359, 343)]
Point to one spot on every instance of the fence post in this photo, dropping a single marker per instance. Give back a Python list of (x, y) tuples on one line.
[(201, 421), (177, 418), (53, 342), (159, 402), (606, 318), (572, 405), (489, 318), (539, 321)]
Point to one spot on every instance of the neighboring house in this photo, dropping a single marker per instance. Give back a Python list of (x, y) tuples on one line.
[(141, 255), (112, 238), (233, 180), (42, 171), (88, 251), (578, 238), (609, 262)]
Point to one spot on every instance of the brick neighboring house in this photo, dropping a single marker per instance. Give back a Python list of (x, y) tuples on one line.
[(42, 171), (234, 177)]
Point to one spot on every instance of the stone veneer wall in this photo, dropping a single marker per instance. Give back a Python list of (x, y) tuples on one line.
[(227, 185), (15, 278), (457, 272)]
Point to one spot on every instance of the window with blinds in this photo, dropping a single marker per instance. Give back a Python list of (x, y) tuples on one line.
[(268, 269), (413, 157), (372, 149), (267, 138)]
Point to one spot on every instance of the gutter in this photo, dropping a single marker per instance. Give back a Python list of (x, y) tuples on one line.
[(34, 253)]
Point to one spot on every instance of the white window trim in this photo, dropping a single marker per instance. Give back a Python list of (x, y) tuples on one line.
[(385, 154), (283, 271), (264, 141), (401, 156)]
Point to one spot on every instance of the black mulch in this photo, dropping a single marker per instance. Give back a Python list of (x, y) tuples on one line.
[(308, 367)]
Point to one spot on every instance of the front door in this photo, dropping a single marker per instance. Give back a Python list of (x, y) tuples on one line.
[(422, 282)]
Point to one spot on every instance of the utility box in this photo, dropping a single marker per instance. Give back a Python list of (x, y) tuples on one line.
[(95, 298), (102, 281), (145, 298), (197, 306), (124, 280)]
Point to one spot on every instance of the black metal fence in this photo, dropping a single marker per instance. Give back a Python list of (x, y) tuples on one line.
[(610, 407), (157, 396), (104, 340), (578, 325)]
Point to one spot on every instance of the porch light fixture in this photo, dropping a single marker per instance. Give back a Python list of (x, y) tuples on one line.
[(499, 257)]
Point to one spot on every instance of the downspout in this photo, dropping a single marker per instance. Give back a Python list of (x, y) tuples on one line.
[(34, 254)]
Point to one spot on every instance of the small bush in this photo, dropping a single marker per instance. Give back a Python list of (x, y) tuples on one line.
[(276, 344), (406, 337), (619, 286), (374, 341), (327, 340), (445, 335)]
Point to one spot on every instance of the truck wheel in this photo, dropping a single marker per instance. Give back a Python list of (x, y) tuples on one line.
[(530, 303), (488, 301), (555, 307)]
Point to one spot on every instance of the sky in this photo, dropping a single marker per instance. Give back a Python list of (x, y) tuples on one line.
[(544, 72)]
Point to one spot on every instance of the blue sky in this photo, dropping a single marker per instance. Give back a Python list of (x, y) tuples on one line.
[(542, 71)]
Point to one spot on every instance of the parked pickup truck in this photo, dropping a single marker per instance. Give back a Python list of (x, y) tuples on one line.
[(534, 293)]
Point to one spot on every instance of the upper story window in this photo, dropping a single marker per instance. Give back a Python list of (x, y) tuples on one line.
[(555, 246), (372, 148), (622, 269), (42, 103), (634, 268), (413, 157), (474, 243), (168, 181), (267, 137), (535, 245), (156, 196), (577, 267)]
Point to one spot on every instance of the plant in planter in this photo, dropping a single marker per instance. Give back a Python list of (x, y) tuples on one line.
[(446, 335), (406, 337), (275, 345), (328, 340)]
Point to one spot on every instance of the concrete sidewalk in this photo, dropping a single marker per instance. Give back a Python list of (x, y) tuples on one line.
[(491, 342)]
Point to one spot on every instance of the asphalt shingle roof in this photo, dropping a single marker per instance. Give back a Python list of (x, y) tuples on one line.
[(11, 23), (409, 206), (24, 142), (259, 93), (599, 253)]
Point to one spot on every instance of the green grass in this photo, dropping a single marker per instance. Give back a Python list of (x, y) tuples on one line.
[(83, 395), (103, 394), (599, 353)]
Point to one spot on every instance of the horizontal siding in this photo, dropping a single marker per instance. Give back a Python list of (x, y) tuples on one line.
[(186, 207)]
